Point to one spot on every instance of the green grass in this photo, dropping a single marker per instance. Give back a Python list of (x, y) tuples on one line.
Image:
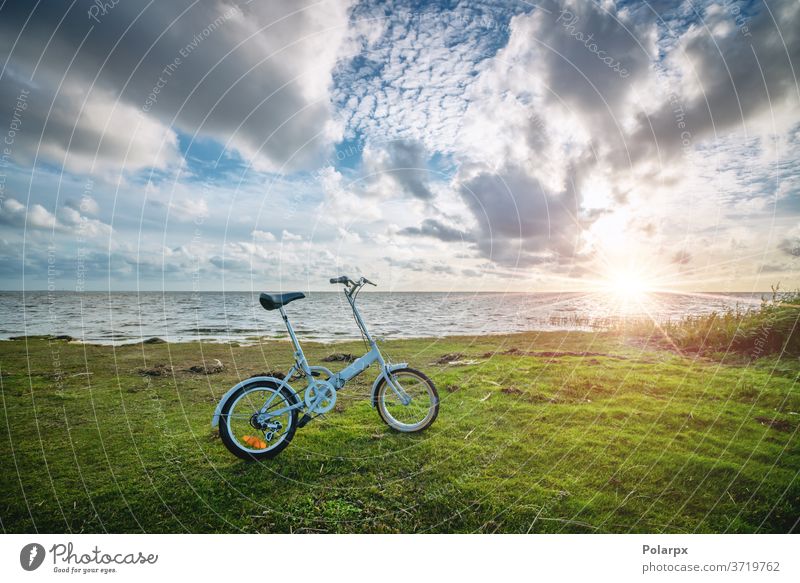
[(533, 436)]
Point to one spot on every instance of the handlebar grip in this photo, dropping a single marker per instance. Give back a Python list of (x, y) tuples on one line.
[(341, 279)]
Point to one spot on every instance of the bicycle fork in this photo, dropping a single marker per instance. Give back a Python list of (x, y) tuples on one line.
[(404, 397)]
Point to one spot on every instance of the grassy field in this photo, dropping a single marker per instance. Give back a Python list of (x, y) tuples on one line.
[(545, 432)]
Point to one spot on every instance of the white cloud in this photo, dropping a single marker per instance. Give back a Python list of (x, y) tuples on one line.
[(263, 236), (86, 204), (188, 209), (15, 214), (426, 60), (290, 237), (345, 202)]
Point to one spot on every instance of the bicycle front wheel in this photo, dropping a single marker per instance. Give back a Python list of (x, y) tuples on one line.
[(412, 414)]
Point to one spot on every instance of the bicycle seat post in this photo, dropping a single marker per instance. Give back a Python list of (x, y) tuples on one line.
[(298, 351)]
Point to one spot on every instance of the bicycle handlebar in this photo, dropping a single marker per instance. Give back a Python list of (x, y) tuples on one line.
[(347, 281)]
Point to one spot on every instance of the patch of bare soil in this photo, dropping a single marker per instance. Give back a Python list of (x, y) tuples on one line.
[(777, 424), (212, 367), (339, 357), (448, 358), (158, 370), (270, 373)]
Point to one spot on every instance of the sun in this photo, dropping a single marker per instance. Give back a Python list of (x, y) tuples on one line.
[(627, 285)]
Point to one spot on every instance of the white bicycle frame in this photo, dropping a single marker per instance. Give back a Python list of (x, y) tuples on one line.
[(338, 380)]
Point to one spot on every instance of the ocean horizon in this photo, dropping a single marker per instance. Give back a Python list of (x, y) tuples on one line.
[(122, 317)]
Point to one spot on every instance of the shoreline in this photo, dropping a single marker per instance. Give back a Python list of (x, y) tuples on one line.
[(255, 341), (378, 291)]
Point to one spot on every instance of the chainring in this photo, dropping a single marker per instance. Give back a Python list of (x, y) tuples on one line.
[(328, 400)]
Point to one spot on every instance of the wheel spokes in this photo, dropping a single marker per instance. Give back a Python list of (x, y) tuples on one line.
[(415, 410), (251, 423)]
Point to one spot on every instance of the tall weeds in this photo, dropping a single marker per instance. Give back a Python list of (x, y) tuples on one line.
[(772, 328)]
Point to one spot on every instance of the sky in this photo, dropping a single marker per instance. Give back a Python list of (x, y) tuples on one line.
[(443, 146)]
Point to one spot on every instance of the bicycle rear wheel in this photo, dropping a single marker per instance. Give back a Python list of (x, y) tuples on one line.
[(252, 434), (417, 414)]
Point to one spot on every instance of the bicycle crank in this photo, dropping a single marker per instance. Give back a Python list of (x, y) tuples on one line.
[(320, 397)]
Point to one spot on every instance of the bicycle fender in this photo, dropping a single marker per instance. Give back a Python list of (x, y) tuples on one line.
[(388, 368), (226, 396)]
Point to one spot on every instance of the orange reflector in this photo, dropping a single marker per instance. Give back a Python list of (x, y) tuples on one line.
[(254, 442)]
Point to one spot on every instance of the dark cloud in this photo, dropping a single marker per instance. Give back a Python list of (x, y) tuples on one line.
[(420, 265), (590, 56), (790, 246), (727, 79), (522, 223), (437, 230), (228, 264), (407, 163), (774, 268), (253, 76), (404, 163)]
